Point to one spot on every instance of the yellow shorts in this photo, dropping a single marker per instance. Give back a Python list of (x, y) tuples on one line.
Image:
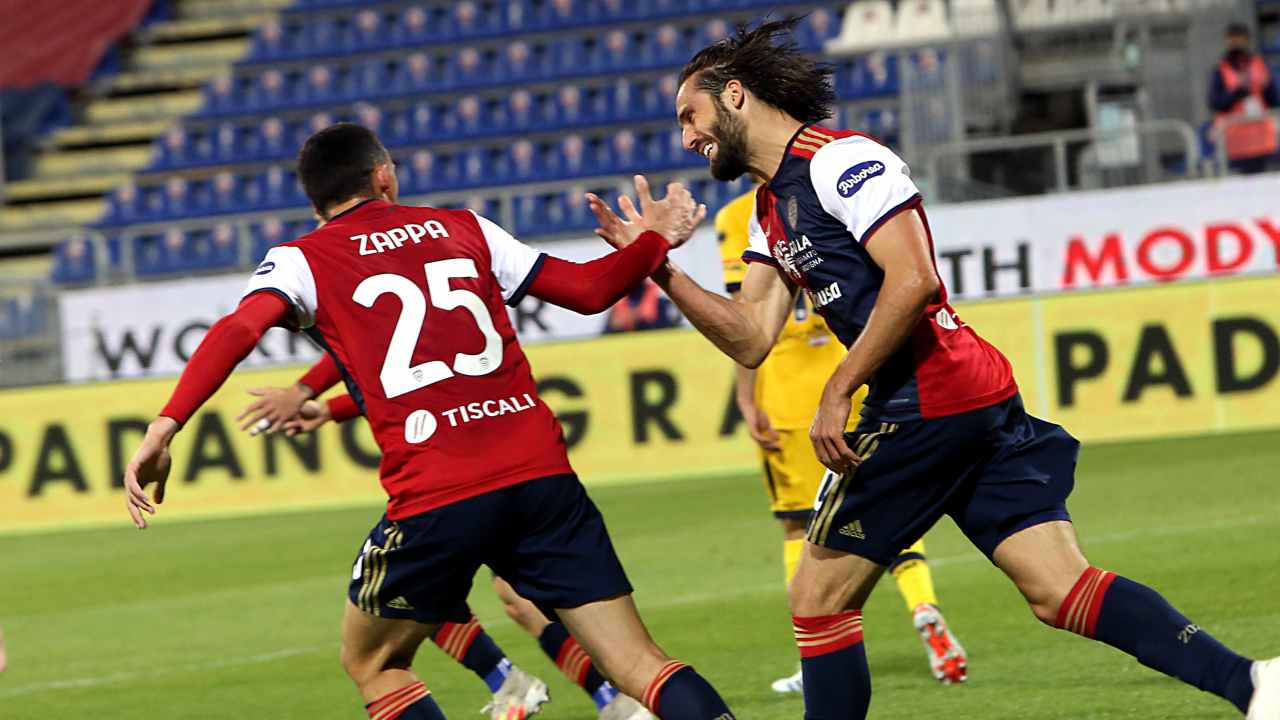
[(792, 474)]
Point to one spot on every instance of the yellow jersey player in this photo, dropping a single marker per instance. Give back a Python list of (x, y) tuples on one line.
[(778, 402)]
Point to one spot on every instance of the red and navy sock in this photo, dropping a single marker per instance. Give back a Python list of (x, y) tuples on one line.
[(837, 682), (412, 702), (679, 693), (574, 662), (470, 645), (1137, 620)]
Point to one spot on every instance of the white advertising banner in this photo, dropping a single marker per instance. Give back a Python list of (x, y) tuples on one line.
[(1098, 239), (149, 329)]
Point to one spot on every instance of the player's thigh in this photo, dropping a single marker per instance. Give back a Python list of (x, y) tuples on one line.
[(524, 613), (830, 581), (559, 554), (1044, 561), (419, 568), (616, 639), (908, 476), (1024, 483), (371, 644), (792, 475)]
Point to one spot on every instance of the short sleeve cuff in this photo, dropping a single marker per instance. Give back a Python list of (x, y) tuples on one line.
[(525, 284), (751, 256), (893, 212)]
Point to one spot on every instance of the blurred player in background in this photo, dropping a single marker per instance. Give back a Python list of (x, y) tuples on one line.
[(4, 658), (474, 464), (294, 410), (942, 430), (778, 401)]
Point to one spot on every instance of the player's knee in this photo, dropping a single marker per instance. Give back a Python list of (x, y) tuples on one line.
[(808, 598), (1044, 599), (633, 671), (364, 665)]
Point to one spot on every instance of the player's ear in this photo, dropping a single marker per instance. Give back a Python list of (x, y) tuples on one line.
[(384, 181), (734, 95)]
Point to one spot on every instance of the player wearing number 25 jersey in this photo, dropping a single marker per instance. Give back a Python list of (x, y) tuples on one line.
[(410, 304)]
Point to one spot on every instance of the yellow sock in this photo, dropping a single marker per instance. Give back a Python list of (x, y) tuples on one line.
[(915, 580), (791, 550)]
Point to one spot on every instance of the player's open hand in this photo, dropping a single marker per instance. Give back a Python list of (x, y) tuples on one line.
[(675, 216), (273, 408), (312, 415), (149, 466), (827, 434)]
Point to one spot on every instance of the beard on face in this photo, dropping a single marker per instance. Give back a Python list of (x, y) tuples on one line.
[(730, 160)]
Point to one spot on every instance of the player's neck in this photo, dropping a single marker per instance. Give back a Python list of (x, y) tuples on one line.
[(770, 136), (336, 210)]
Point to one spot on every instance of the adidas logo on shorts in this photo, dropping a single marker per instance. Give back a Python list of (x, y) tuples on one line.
[(853, 530), (400, 604)]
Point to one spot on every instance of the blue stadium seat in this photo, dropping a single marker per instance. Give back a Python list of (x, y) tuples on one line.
[(366, 79), (521, 162), (624, 153), (224, 145), (561, 13), (320, 36), (816, 28), (570, 158), (568, 211), (215, 248), (424, 121), (265, 235), (668, 45), (271, 90), (608, 11), (715, 30), (365, 31), (466, 118), (516, 16), (519, 112), (565, 108), (410, 28), (221, 95), (465, 69), (413, 74), (616, 51), (420, 173), (75, 261), (272, 42), (568, 57), (159, 254), (173, 149), (522, 62)]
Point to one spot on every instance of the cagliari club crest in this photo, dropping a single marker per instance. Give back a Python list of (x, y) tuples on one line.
[(793, 211)]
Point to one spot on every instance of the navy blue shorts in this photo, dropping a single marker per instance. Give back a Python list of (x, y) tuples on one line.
[(995, 471), (545, 537)]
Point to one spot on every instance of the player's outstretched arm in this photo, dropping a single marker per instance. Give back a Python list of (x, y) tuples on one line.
[(229, 341), (275, 406), (743, 328), (595, 286), (901, 248)]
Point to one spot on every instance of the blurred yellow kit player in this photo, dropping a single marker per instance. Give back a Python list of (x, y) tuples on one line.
[(778, 403)]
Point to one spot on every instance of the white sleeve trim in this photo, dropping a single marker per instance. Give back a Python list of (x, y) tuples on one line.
[(286, 272), (513, 263), (861, 183)]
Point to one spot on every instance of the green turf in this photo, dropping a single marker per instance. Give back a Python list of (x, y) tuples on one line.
[(238, 618)]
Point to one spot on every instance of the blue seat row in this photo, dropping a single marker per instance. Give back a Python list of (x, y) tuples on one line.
[(465, 69), (421, 171), (426, 121), (220, 246), (471, 19)]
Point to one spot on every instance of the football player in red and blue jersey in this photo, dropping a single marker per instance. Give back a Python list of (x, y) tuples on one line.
[(942, 431), (411, 304)]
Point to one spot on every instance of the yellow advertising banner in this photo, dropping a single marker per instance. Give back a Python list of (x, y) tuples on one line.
[(1109, 365)]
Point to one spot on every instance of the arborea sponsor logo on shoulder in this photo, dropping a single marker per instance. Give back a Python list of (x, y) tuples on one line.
[(853, 178)]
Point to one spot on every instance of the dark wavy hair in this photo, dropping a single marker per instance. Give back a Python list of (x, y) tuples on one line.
[(767, 61)]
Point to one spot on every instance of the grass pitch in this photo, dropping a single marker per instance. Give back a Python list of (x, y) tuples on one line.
[(239, 618)]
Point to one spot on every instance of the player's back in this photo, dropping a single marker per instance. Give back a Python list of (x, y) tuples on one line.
[(410, 302)]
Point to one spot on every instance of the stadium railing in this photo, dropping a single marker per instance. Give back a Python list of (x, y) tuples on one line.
[(1130, 147)]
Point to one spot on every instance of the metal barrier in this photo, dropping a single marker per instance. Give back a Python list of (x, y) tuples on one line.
[(1059, 142)]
